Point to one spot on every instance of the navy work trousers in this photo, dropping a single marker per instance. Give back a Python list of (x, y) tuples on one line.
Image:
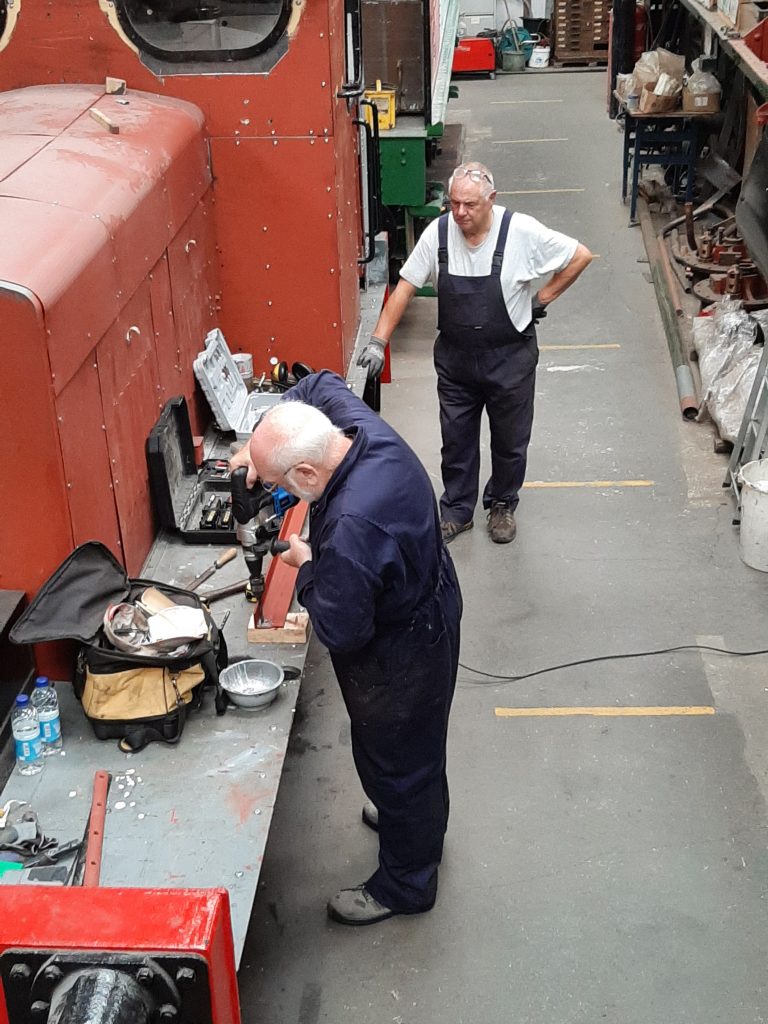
[(502, 380), (398, 693)]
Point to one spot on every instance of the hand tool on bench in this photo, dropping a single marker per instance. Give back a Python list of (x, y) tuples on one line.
[(228, 555)]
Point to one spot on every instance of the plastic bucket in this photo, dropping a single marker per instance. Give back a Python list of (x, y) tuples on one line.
[(753, 535), (539, 57), (512, 61)]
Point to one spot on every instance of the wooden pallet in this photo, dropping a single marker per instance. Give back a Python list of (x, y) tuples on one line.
[(592, 60)]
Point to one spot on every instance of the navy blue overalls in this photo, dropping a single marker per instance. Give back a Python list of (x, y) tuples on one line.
[(482, 360), (382, 595)]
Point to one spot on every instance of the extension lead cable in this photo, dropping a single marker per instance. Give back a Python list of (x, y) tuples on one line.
[(490, 677)]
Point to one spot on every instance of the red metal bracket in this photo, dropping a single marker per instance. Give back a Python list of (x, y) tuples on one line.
[(762, 114), (280, 582), (757, 40), (194, 921)]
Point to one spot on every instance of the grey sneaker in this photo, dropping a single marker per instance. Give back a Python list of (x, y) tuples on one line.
[(501, 523), (370, 815), (452, 530), (357, 906)]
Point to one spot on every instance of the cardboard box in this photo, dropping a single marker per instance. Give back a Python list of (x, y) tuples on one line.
[(701, 102), (728, 10), (650, 103), (751, 13)]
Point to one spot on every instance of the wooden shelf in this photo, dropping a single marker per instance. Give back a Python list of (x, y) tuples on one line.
[(733, 45)]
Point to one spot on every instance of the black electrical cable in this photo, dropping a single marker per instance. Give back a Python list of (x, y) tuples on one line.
[(605, 657)]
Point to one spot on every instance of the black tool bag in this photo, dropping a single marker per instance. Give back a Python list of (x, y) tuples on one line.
[(134, 698)]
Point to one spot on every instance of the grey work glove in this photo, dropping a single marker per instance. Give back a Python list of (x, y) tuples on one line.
[(538, 309), (372, 357)]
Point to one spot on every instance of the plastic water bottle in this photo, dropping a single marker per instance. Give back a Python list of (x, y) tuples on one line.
[(46, 703), (26, 732)]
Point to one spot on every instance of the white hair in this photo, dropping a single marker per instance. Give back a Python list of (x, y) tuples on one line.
[(486, 177), (305, 434)]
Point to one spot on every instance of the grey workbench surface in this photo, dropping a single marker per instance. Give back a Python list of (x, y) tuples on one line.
[(194, 815)]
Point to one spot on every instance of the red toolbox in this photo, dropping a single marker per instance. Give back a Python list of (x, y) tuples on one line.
[(474, 55)]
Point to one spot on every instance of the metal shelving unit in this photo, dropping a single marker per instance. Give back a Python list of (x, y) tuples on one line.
[(733, 45)]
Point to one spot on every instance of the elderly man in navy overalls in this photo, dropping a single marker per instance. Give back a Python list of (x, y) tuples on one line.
[(483, 261), (383, 597)]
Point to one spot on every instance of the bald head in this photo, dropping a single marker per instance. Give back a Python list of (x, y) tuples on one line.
[(297, 447)]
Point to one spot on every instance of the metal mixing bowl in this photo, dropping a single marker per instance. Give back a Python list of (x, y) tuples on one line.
[(252, 683)]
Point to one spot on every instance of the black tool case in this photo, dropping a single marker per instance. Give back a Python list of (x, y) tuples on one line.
[(196, 503)]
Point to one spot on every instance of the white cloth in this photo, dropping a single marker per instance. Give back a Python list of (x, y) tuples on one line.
[(532, 251)]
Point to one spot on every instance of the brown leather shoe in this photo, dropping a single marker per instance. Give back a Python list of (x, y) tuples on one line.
[(452, 530), (501, 523)]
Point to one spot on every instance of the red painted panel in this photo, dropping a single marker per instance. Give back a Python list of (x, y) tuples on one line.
[(16, 150), (41, 111), (164, 329), (85, 458), (130, 391), (295, 98), (65, 258), (184, 921), (276, 213), (35, 533), (193, 271)]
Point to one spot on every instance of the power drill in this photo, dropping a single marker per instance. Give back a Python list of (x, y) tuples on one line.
[(258, 514)]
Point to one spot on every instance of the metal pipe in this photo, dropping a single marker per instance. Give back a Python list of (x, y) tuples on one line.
[(100, 996), (683, 376)]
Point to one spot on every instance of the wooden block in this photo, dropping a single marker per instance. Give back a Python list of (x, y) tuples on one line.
[(114, 86), (295, 631), (106, 122)]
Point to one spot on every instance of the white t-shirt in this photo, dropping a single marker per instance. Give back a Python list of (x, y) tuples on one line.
[(532, 251)]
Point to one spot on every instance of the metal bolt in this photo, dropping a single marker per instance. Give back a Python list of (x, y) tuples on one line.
[(52, 973), (20, 972), (185, 976), (168, 1012), (145, 976)]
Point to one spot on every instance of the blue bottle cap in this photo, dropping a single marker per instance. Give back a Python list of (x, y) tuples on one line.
[(22, 700), (41, 681)]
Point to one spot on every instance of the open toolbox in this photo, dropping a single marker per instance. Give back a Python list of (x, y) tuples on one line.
[(233, 407), (195, 502)]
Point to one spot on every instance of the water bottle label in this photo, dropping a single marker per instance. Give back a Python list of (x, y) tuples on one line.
[(50, 729), (29, 750)]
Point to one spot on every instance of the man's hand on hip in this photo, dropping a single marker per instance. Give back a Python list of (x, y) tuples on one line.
[(538, 309), (372, 357)]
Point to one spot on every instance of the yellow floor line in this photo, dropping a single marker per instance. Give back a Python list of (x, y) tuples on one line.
[(568, 348), (507, 102), (588, 483), (614, 712), (521, 142), (538, 191)]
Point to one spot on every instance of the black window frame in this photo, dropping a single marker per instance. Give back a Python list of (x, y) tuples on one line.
[(207, 57)]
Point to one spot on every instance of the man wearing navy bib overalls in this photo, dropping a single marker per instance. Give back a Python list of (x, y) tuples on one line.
[(483, 261)]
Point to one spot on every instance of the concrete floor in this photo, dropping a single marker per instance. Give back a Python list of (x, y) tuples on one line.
[(596, 868)]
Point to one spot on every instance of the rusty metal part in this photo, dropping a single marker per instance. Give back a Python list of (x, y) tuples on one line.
[(101, 781)]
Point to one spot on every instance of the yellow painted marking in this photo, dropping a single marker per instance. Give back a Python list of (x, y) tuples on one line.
[(508, 102), (615, 712), (564, 348), (538, 191), (521, 142), (589, 483)]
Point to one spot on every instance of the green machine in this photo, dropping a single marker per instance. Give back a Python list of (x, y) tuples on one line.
[(408, 47)]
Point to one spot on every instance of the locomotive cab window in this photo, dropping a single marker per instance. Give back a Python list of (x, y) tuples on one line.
[(190, 31)]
